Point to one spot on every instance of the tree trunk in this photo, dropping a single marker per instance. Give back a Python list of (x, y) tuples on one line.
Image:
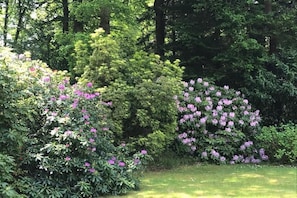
[(272, 40), (21, 13), (160, 26), (78, 26), (65, 16), (5, 30), (268, 6), (105, 19), (173, 29)]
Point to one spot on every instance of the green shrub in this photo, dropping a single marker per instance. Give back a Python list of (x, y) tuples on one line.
[(217, 124), (280, 142), (141, 88)]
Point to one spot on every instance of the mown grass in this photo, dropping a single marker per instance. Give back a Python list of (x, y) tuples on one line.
[(219, 181)]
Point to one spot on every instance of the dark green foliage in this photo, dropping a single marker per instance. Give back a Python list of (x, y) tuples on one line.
[(7, 180), (280, 143), (275, 87), (244, 44), (169, 159)]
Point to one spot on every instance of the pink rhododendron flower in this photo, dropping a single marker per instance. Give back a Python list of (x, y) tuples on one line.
[(204, 154), (89, 84), (198, 99), (206, 84), (232, 114), (61, 87), (111, 162), (93, 130), (143, 152), (67, 158)]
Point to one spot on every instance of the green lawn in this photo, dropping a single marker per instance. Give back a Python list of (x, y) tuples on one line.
[(219, 181)]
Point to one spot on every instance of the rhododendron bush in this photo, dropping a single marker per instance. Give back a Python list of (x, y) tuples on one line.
[(74, 148), (58, 136), (218, 124)]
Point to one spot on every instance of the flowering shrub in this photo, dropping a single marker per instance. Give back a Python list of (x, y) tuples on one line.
[(20, 88), (73, 153), (57, 136), (217, 124), (19, 113)]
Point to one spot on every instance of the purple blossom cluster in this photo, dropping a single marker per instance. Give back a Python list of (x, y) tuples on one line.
[(217, 114), (114, 161), (187, 140), (89, 167), (85, 131), (120, 163)]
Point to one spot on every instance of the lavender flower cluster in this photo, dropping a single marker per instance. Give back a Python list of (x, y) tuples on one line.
[(217, 123), (77, 121)]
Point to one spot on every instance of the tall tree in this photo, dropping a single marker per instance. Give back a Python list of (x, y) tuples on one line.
[(271, 38), (159, 8), (6, 18), (105, 19), (78, 25), (22, 8), (65, 19)]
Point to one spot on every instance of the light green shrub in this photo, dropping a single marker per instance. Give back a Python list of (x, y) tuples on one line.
[(141, 88)]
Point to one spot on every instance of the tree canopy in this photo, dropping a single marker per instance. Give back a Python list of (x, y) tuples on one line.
[(249, 45)]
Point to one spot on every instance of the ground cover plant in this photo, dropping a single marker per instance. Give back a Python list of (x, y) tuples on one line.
[(211, 181), (217, 124)]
